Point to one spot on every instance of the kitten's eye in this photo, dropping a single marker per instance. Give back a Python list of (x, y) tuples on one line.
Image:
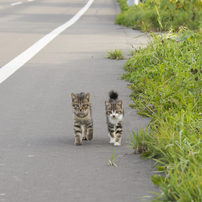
[(84, 105), (118, 112), (76, 105)]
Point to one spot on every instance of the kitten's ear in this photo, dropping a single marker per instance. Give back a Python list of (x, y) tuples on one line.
[(73, 96), (87, 97), (107, 105), (120, 104)]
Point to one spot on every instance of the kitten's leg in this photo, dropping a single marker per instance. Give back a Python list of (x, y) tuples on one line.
[(90, 130), (111, 134), (84, 133), (77, 133), (118, 134)]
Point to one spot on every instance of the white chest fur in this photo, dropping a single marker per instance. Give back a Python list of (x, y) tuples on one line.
[(115, 120)]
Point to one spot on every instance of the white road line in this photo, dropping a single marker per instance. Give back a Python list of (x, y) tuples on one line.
[(8, 69), (16, 3), (30, 0)]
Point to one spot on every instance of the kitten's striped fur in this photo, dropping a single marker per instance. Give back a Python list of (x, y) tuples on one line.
[(83, 122), (114, 115)]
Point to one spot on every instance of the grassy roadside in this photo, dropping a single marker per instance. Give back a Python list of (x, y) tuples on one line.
[(170, 13), (166, 83), (166, 80)]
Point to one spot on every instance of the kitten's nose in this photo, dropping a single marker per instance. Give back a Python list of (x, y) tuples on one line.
[(80, 108), (113, 115)]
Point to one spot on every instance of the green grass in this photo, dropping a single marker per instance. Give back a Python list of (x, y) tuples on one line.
[(166, 80), (132, 52), (148, 16), (117, 54), (111, 162)]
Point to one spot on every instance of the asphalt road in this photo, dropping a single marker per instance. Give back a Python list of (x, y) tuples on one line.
[(38, 159)]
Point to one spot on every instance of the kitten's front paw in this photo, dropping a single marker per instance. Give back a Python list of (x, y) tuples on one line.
[(117, 144), (77, 143), (90, 134), (90, 137), (112, 140)]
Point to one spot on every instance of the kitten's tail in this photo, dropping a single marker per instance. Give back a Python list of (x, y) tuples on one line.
[(113, 95)]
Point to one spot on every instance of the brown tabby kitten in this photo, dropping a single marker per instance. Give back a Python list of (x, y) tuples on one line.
[(114, 115), (83, 122)]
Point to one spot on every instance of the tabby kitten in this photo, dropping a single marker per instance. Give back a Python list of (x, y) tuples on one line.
[(114, 115), (83, 122)]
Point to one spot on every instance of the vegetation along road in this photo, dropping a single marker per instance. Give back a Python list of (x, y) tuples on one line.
[(166, 80)]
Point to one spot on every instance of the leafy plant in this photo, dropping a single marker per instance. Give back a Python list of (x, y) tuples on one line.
[(111, 162), (116, 54), (139, 140)]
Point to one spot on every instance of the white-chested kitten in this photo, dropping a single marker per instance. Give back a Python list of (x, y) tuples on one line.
[(114, 115)]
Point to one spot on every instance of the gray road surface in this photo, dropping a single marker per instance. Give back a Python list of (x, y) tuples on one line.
[(38, 159)]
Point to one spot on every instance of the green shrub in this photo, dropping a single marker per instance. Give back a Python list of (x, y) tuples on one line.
[(116, 54), (123, 5), (172, 14)]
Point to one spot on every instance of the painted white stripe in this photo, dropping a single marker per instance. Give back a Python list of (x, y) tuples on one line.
[(30, 0), (8, 69), (16, 3)]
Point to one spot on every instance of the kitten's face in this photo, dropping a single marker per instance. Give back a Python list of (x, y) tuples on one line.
[(114, 111), (80, 103)]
